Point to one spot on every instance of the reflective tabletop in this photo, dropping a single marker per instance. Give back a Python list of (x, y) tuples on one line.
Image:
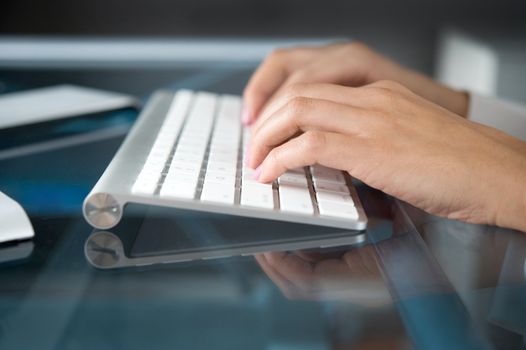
[(416, 281)]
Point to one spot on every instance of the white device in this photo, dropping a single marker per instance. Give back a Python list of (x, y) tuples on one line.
[(14, 222), (56, 102), (186, 151)]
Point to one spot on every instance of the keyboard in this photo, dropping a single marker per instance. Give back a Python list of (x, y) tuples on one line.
[(186, 151)]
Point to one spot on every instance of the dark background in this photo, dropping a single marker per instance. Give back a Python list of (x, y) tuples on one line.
[(406, 30), (249, 17)]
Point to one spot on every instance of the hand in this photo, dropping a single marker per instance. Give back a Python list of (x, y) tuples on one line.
[(352, 275), (399, 143), (349, 64)]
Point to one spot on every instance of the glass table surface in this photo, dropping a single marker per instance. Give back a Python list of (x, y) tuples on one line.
[(418, 282)]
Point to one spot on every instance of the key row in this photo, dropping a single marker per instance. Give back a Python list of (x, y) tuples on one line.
[(219, 184), (185, 167), (148, 178)]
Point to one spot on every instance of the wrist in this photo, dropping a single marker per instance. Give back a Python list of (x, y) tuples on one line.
[(517, 219), (512, 210)]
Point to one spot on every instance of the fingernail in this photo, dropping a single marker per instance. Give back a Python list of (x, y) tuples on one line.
[(257, 173), (245, 116)]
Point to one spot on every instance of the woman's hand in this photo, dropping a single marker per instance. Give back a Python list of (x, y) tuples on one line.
[(349, 64), (397, 142), (351, 275)]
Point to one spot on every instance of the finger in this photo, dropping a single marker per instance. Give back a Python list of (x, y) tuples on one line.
[(363, 259), (301, 115), (310, 256), (324, 70), (322, 91), (286, 286), (336, 93), (315, 256), (313, 147), (267, 79), (292, 268), (304, 75), (364, 97), (307, 276)]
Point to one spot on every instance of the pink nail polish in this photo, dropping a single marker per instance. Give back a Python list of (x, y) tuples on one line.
[(257, 173), (245, 116)]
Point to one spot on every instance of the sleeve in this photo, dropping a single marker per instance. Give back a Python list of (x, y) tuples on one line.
[(506, 116)]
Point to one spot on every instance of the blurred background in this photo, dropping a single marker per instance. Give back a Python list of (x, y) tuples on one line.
[(410, 31)]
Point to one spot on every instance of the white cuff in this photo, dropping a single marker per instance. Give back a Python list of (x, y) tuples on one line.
[(503, 115)]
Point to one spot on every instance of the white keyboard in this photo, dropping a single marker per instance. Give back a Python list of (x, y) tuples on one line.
[(187, 151)]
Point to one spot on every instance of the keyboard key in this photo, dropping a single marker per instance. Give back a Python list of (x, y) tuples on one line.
[(177, 177), (330, 186), (176, 113), (230, 108), (290, 178), (225, 145), (185, 167), (178, 190), (144, 187), (336, 177), (334, 197), (188, 158), (188, 141), (248, 177), (295, 199), (226, 180), (218, 193), (152, 167), (221, 167), (159, 154), (327, 174), (180, 105), (342, 210), (150, 175), (191, 148), (232, 152), (257, 195), (217, 157), (231, 172)]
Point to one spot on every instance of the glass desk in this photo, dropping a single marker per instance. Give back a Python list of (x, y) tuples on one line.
[(419, 281)]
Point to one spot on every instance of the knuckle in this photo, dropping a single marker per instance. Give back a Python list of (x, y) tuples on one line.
[(382, 95), (390, 85), (278, 54), (387, 93), (300, 75), (356, 46), (313, 141), (386, 84), (293, 90), (297, 105), (357, 50), (275, 156)]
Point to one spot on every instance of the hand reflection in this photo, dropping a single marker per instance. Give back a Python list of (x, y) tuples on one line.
[(351, 275)]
